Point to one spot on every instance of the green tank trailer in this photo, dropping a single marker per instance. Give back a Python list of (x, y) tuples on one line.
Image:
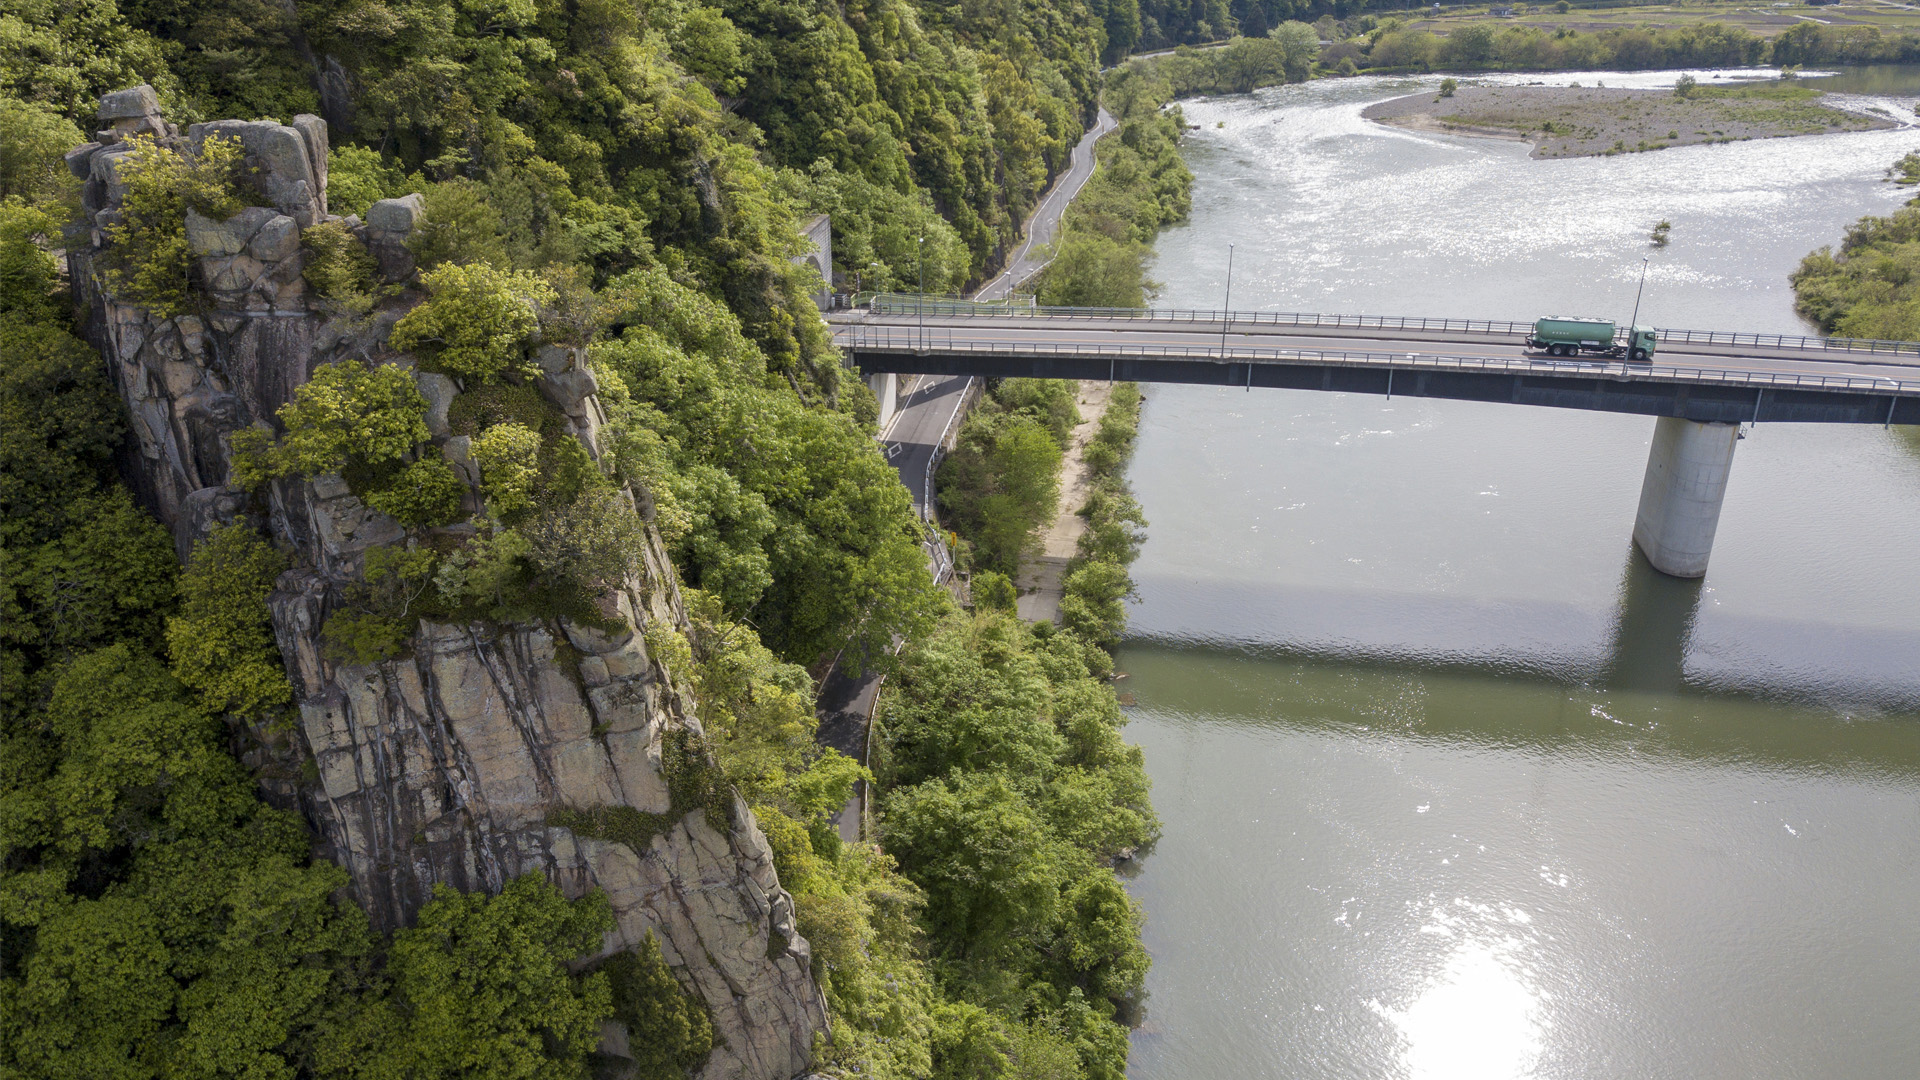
[(1592, 337)]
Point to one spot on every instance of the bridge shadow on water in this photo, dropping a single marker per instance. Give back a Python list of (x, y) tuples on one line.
[(1638, 680)]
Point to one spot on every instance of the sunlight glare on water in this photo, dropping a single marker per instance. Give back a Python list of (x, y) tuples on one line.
[(1479, 1020)]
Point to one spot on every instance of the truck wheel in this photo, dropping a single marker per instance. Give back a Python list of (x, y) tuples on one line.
[(1639, 355), (1556, 350)]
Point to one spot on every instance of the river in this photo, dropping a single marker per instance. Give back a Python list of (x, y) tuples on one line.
[(1453, 784)]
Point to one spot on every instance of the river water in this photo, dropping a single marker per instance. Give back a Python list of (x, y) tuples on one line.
[(1454, 785)]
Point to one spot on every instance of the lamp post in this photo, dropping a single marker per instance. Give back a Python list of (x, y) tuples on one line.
[(1644, 260), (920, 304), (1226, 306)]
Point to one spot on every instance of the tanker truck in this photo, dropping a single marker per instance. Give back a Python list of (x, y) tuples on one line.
[(1592, 337)]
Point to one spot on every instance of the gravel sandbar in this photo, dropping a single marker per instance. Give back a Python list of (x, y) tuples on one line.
[(1586, 121)]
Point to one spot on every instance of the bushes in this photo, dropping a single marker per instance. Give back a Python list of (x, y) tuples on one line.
[(476, 320), (222, 641), (424, 494), (346, 414), (509, 459), (1008, 789), (668, 1030), (338, 267), (1097, 585), (1867, 289), (147, 259)]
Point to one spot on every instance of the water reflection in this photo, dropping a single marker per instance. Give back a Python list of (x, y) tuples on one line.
[(1654, 629)]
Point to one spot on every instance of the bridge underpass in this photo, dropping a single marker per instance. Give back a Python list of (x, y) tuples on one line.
[(1701, 385)]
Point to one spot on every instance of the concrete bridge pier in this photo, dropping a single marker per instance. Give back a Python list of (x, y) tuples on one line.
[(1680, 498)]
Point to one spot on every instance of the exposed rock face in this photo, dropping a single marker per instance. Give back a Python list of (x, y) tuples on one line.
[(443, 767)]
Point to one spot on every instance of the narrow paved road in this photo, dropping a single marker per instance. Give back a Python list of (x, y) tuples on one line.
[(928, 411), (1045, 222)]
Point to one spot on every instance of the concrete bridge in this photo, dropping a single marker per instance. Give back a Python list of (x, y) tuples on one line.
[(1702, 385)]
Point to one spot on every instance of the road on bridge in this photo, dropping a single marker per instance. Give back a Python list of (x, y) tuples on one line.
[(1100, 335)]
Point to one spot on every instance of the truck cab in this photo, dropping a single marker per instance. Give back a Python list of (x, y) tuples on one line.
[(1640, 343)]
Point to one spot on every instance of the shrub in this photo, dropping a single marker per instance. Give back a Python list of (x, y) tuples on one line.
[(476, 320), (346, 414), (509, 458), (338, 268), (1685, 86), (360, 637), (668, 1029), (993, 591), (147, 261), (1448, 86), (422, 495), (1094, 604), (222, 643)]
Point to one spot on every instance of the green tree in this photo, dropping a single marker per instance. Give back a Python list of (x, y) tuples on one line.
[(33, 138), (347, 414), (476, 320), (479, 987), (222, 641)]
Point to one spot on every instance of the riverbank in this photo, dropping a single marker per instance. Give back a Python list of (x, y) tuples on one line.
[(1576, 121), (1043, 571)]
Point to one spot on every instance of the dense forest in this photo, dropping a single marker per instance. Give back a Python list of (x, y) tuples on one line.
[(625, 178)]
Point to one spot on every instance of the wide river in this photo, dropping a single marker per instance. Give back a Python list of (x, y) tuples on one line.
[(1454, 785)]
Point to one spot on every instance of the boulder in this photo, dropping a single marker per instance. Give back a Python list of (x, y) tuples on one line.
[(131, 104), (439, 392), (205, 236), (80, 160), (278, 239), (280, 168), (398, 215)]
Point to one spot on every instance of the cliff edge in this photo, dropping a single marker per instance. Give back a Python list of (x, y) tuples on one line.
[(451, 762)]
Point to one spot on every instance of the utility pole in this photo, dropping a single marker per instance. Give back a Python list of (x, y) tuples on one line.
[(1226, 310), (920, 304)]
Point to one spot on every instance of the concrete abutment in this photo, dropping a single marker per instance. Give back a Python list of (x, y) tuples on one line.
[(1680, 498)]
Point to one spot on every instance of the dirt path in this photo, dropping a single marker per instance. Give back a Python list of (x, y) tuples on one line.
[(1041, 574)]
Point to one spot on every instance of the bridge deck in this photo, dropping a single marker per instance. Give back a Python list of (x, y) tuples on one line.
[(1710, 378)]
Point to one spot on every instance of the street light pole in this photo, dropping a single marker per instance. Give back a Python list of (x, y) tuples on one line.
[(1644, 260), (920, 305), (1226, 309)]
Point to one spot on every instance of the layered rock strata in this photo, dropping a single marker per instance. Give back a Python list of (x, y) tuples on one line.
[(444, 767)]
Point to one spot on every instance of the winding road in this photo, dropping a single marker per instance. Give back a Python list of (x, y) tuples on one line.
[(930, 408)]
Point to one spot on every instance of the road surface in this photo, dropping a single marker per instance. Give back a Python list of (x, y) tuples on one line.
[(1388, 347)]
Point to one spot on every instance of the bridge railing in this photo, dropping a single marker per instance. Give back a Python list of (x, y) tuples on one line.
[(940, 340), (902, 304)]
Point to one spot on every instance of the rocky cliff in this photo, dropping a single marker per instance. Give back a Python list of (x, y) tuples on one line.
[(448, 764)]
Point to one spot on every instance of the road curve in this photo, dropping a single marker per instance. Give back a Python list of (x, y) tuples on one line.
[(1046, 218)]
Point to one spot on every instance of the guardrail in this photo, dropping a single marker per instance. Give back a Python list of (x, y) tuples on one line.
[(900, 304), (940, 340)]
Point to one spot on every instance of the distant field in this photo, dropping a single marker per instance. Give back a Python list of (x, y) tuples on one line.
[(1763, 19)]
